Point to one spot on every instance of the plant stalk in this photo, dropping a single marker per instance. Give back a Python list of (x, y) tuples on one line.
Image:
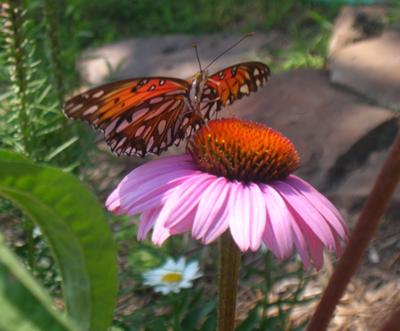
[(377, 202), (13, 16), (55, 50), (392, 324), (229, 264)]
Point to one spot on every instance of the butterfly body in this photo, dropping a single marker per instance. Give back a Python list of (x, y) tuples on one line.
[(149, 114)]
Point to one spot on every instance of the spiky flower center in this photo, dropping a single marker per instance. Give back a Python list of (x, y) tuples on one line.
[(172, 277), (243, 150)]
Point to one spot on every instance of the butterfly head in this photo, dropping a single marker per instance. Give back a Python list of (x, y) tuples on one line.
[(201, 76)]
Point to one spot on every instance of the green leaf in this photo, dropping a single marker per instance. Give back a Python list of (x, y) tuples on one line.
[(74, 224), (197, 314), (61, 148), (25, 306), (252, 320)]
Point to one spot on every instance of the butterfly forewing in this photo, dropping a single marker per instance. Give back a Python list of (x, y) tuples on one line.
[(232, 83), (137, 116)]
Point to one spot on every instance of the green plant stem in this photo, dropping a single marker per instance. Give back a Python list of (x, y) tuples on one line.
[(14, 21), (52, 36), (229, 263), (377, 202)]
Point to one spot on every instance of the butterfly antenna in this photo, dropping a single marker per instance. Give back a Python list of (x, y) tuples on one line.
[(197, 55), (233, 46)]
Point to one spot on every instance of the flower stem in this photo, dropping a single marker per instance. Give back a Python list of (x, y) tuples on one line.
[(229, 263), (392, 324), (377, 202)]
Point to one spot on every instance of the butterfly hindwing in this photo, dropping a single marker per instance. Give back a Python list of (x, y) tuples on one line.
[(137, 116)]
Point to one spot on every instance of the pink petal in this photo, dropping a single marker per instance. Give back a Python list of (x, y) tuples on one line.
[(153, 198), (306, 212), (247, 218), (160, 166), (160, 236), (320, 203), (269, 238), (212, 210), (314, 244), (132, 195), (185, 224), (140, 180), (279, 223), (113, 202), (301, 245), (147, 220), (220, 223), (181, 202), (185, 198)]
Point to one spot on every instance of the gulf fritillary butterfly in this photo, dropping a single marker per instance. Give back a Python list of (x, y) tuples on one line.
[(149, 114)]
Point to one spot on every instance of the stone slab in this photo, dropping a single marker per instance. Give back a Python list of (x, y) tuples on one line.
[(371, 68), (171, 55)]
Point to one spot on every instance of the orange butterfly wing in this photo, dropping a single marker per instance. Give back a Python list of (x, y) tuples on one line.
[(147, 115), (137, 116), (232, 83)]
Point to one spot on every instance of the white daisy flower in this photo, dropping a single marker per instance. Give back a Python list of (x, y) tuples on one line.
[(172, 276)]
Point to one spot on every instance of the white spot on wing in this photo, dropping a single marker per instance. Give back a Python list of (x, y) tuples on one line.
[(244, 89), (98, 94), (156, 100), (140, 131), (161, 126), (150, 144), (90, 110), (121, 142), (256, 72), (123, 126), (110, 127), (139, 113), (76, 108)]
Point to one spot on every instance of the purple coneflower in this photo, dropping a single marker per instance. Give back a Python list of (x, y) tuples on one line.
[(236, 176)]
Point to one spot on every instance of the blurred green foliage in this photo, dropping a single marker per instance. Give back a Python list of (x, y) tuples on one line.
[(108, 20)]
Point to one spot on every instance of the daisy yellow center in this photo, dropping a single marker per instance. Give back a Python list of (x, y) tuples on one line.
[(172, 277), (243, 150)]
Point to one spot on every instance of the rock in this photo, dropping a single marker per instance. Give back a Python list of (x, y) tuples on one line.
[(351, 194), (335, 131), (356, 23), (171, 55), (371, 68), (364, 53)]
